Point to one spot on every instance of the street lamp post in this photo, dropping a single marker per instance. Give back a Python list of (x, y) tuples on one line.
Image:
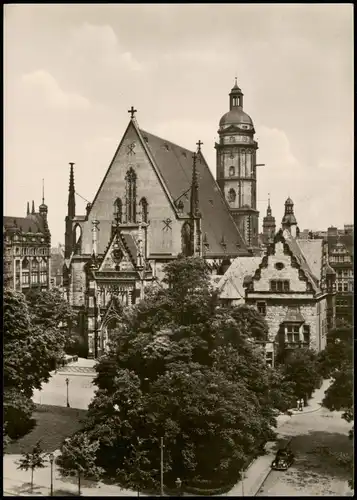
[(67, 384), (162, 466), (178, 483), (52, 458)]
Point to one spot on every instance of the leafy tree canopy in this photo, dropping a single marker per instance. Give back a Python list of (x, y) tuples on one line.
[(30, 349), (301, 370), (78, 458), (186, 369)]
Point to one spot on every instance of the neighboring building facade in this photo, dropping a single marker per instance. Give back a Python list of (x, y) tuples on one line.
[(340, 256), (27, 255), (237, 166), (292, 286), (156, 201), (57, 261)]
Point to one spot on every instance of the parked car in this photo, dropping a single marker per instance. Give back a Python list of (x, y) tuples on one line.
[(283, 459)]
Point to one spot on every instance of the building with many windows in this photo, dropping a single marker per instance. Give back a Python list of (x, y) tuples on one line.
[(27, 244), (340, 255)]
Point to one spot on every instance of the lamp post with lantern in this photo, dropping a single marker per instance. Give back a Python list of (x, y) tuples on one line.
[(67, 384)]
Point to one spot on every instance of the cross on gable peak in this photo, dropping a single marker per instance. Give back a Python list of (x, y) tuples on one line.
[(132, 110), (199, 144)]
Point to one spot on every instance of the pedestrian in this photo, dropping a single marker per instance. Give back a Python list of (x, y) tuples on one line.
[(301, 404), (298, 404)]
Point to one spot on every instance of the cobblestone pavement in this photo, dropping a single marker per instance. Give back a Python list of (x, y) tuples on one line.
[(314, 472)]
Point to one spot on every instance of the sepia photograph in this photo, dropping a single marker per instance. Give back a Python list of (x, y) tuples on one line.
[(178, 249)]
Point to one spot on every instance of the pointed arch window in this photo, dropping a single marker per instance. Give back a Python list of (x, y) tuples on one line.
[(118, 210), (186, 239), (77, 235), (143, 209), (232, 195), (131, 195)]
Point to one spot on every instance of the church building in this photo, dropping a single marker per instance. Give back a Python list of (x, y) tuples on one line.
[(158, 200)]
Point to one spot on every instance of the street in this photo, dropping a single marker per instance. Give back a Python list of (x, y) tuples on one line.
[(314, 472)]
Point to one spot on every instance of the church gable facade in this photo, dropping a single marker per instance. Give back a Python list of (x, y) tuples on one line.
[(133, 192)]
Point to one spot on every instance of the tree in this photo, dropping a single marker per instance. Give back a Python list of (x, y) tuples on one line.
[(48, 308), (28, 352), (78, 457), (250, 322), (339, 349), (183, 368), (33, 460), (51, 312), (6, 440), (339, 396), (336, 361), (137, 468), (301, 369)]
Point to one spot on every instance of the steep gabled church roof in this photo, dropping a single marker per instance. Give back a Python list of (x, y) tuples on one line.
[(175, 165)]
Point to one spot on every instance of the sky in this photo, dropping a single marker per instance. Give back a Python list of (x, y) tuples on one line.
[(71, 72)]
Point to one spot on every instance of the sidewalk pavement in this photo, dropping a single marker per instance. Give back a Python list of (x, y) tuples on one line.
[(259, 469), (17, 482)]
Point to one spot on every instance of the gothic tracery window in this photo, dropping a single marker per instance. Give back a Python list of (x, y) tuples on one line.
[(131, 195), (144, 209), (118, 210)]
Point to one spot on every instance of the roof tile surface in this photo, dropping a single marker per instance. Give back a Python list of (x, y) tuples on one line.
[(175, 165)]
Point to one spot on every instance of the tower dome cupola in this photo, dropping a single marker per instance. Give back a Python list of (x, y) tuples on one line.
[(235, 115)]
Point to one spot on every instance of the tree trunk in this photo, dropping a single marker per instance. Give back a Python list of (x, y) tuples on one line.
[(138, 493), (31, 487), (79, 484)]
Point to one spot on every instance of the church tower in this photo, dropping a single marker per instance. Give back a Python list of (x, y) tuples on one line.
[(236, 166), (289, 220), (269, 226)]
